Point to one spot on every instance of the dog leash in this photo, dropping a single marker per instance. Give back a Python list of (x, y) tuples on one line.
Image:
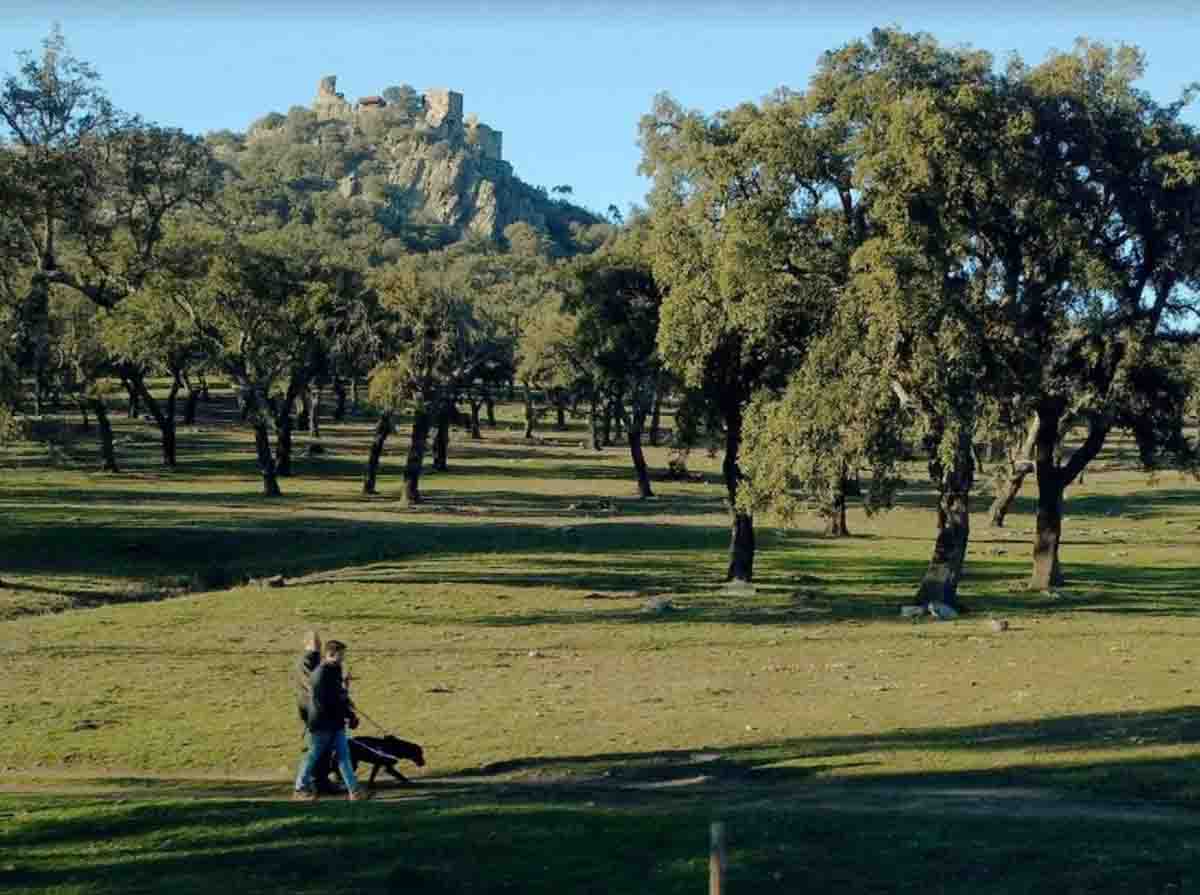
[(363, 714), (362, 745)]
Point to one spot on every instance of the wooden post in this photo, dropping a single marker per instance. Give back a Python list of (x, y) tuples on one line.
[(716, 859)]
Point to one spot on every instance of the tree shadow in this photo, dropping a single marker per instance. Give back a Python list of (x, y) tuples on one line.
[(636, 821)]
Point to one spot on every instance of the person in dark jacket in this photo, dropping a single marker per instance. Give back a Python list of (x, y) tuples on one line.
[(329, 709), (302, 674), (305, 666)]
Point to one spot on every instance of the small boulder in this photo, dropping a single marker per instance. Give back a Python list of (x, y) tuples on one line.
[(276, 581), (998, 625), (658, 606), (914, 611), (943, 612)]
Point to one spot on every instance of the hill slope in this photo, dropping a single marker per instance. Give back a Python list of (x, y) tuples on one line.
[(432, 176)]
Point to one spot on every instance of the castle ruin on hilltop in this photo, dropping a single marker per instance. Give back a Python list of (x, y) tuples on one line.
[(439, 110)]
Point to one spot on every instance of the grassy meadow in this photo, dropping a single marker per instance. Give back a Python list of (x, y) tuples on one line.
[(576, 741)]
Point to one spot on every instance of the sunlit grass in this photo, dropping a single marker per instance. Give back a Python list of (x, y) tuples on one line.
[(504, 626)]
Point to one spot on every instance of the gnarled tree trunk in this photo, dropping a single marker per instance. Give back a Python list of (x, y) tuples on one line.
[(133, 409), (835, 522), (1047, 572), (940, 584), (383, 429), (339, 406), (108, 453), (284, 422), (476, 405), (416, 456), (597, 428), (656, 415), (189, 407), (266, 460), (258, 412), (530, 414), (314, 411), (441, 438), (163, 418), (1019, 466), (639, 457)]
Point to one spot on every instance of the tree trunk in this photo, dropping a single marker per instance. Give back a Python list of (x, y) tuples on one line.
[(639, 458), (416, 456), (940, 584), (835, 524), (441, 439), (284, 420), (259, 412), (618, 417), (656, 415), (314, 411), (1007, 490), (339, 407), (189, 407), (1047, 572), (597, 429), (164, 419), (529, 413), (476, 405), (490, 403), (168, 443), (1019, 466), (36, 314), (305, 409), (741, 542), (266, 460), (354, 394), (133, 408), (560, 414), (283, 442), (167, 426), (606, 427), (107, 452), (382, 430), (86, 423)]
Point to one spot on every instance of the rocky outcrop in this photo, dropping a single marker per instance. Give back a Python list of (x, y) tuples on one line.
[(445, 175), (458, 187)]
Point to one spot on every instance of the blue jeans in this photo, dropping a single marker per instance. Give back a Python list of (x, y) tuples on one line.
[(320, 742)]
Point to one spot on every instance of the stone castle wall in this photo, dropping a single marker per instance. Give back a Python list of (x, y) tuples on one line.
[(489, 141), (443, 111), (443, 107)]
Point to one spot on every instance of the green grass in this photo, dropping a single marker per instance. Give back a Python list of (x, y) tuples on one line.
[(577, 742)]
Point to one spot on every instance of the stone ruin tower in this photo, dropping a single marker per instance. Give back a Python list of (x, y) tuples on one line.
[(442, 108), (330, 104)]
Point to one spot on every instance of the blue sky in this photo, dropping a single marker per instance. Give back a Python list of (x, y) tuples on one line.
[(566, 82)]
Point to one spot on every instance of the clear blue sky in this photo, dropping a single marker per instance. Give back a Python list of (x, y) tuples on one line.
[(566, 82)]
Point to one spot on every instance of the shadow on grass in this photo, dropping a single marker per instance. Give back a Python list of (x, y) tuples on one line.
[(632, 822)]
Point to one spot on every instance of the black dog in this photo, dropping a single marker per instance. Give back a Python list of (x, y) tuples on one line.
[(384, 752)]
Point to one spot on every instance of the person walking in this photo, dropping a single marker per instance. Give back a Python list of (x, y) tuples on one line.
[(328, 711), (302, 675)]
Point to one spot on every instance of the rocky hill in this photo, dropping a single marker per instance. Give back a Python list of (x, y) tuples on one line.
[(432, 176)]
